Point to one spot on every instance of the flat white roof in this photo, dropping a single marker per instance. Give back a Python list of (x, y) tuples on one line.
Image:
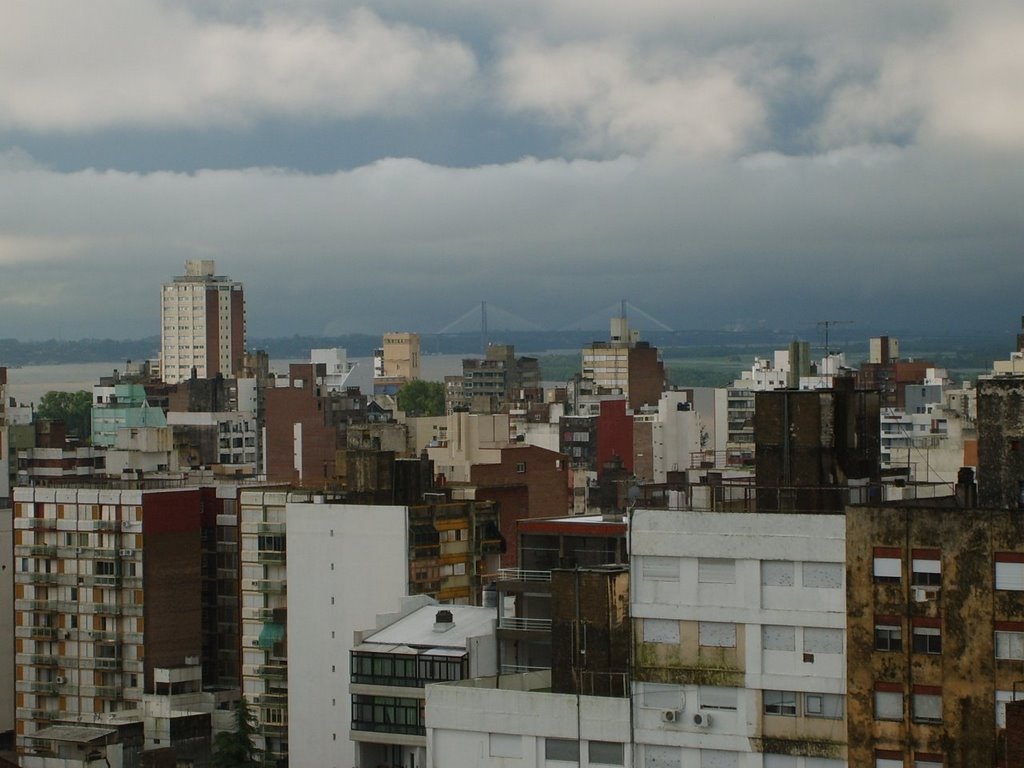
[(417, 629)]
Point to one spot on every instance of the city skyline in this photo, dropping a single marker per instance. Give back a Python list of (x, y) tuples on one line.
[(361, 170)]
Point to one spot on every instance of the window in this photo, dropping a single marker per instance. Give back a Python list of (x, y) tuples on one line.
[(566, 750), (713, 697), (1010, 645), (1002, 697), (824, 705), (888, 633), (521, 467), (888, 564), (780, 703), (777, 573), (606, 753), (715, 634), (778, 638), (927, 760), (927, 705), (887, 760), (659, 568), (823, 575), (505, 745), (104, 568), (716, 570), (1010, 571), (820, 640), (661, 631), (888, 705), (662, 696), (926, 568), (927, 639)]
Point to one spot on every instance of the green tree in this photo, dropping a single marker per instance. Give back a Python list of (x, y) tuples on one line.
[(422, 398), (73, 408), (237, 749)]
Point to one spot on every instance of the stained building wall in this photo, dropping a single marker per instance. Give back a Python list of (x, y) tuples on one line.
[(1001, 442), (962, 602)]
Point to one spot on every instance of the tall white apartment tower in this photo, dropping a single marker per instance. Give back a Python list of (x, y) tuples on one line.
[(202, 324)]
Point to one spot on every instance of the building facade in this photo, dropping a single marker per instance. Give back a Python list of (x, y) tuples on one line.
[(202, 324)]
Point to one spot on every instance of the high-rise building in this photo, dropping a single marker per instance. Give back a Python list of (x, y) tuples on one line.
[(202, 324), (396, 363)]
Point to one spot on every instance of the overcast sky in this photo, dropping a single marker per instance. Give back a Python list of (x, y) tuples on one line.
[(363, 168)]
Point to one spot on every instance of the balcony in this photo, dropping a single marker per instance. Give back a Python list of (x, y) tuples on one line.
[(45, 606), (275, 671), (524, 625), (40, 550), (42, 633), (519, 574), (271, 558), (272, 586)]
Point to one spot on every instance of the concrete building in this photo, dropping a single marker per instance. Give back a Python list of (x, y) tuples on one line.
[(391, 664), (121, 406), (396, 363), (496, 383), (516, 720), (1000, 441), (202, 324), (623, 366), (352, 560), (7, 642), (108, 588), (739, 631), (935, 637), (337, 368)]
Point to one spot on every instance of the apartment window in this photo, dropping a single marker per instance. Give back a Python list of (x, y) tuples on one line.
[(778, 638), (926, 568), (506, 745), (777, 573), (521, 467), (716, 570), (716, 634), (927, 760), (927, 704), (1002, 697), (822, 575), (927, 638), (566, 750), (888, 633), (888, 564), (1010, 571), (714, 697), (606, 753), (1010, 645), (104, 568), (888, 759), (820, 640), (888, 701), (824, 705), (659, 568), (780, 703), (661, 631)]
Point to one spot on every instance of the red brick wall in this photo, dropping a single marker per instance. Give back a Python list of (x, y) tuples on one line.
[(614, 434)]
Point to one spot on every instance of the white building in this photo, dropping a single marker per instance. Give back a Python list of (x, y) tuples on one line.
[(338, 368), (202, 324), (346, 562), (7, 697), (424, 643), (512, 721), (739, 623)]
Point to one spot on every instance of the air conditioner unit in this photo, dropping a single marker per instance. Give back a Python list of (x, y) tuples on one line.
[(126, 552), (702, 720), (670, 716), (60, 679), (924, 594), (126, 524)]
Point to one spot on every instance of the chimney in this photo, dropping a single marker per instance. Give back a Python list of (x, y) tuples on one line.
[(966, 488), (443, 621)]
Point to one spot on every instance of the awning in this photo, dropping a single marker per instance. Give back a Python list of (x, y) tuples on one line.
[(272, 633)]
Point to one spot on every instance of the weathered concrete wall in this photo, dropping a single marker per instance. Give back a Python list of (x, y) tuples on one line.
[(966, 608), (1001, 442)]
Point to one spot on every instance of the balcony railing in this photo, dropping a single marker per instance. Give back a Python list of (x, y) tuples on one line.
[(524, 624), (518, 669), (519, 574)]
